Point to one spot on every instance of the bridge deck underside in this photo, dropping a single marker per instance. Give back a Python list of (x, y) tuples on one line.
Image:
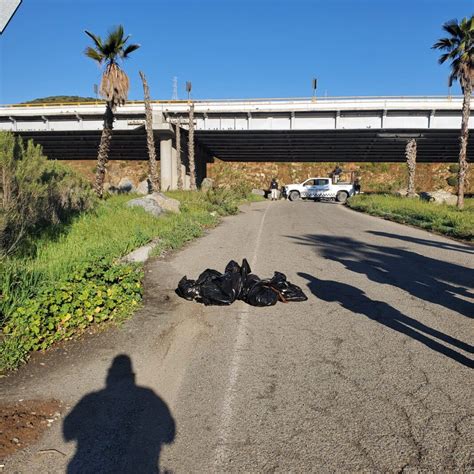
[(126, 145), (333, 145), (434, 145)]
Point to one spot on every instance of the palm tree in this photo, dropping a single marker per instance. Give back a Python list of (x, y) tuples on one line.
[(179, 163), (410, 153), (459, 47), (113, 88), (150, 139), (192, 164)]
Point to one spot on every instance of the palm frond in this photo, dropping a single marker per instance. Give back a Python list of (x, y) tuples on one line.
[(94, 54), (129, 49), (97, 39), (116, 37), (452, 27), (114, 85), (459, 47), (445, 43)]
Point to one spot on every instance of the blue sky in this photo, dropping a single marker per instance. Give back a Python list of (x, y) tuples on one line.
[(233, 48)]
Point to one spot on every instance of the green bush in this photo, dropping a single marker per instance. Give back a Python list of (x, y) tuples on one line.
[(225, 201), (454, 169), (452, 181), (94, 293), (36, 193)]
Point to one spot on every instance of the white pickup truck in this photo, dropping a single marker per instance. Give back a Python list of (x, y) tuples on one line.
[(319, 188)]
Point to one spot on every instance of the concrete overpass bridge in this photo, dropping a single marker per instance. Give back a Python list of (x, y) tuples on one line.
[(336, 129)]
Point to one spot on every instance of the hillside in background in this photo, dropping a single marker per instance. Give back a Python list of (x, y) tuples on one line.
[(377, 177), (61, 98)]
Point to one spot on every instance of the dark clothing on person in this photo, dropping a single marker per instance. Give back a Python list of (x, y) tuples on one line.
[(357, 186), (274, 184)]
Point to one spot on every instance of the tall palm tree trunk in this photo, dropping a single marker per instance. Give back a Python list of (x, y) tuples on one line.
[(104, 149), (150, 139), (192, 164), (410, 153), (463, 165), (178, 155)]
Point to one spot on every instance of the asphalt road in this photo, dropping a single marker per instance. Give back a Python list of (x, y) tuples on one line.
[(373, 372)]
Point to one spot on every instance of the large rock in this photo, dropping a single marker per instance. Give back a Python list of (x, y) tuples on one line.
[(440, 197), (258, 192), (207, 183), (166, 203), (401, 192), (125, 186), (141, 254), (404, 193), (144, 187), (148, 203)]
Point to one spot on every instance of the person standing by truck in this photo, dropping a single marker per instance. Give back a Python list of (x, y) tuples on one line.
[(274, 189), (336, 174)]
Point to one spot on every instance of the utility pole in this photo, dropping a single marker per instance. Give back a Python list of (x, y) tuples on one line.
[(314, 84)]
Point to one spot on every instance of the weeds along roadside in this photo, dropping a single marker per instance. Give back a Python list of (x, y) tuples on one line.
[(440, 218), (71, 280)]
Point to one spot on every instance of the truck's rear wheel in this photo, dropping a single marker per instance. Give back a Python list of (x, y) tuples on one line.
[(294, 196), (342, 196)]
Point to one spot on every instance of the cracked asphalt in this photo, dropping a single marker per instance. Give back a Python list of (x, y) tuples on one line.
[(373, 373)]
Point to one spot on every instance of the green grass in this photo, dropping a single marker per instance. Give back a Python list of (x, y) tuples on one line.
[(447, 220), (104, 235)]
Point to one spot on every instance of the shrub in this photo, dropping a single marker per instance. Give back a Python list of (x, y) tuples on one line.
[(93, 293), (452, 181), (36, 193), (224, 200)]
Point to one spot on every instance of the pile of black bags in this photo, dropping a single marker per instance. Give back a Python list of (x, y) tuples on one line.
[(238, 283)]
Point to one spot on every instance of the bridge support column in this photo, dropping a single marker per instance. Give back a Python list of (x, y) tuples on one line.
[(166, 163), (186, 182)]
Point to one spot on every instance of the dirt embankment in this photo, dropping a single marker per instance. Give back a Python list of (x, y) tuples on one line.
[(374, 176), (23, 422)]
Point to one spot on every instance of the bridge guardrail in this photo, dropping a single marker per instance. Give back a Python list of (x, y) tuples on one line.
[(248, 101)]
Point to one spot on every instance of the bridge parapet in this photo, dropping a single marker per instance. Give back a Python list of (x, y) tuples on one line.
[(255, 114)]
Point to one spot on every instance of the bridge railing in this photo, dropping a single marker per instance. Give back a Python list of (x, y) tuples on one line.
[(287, 100)]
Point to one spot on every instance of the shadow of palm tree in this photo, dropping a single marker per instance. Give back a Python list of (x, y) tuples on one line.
[(121, 428), (443, 283), (356, 301), (428, 243)]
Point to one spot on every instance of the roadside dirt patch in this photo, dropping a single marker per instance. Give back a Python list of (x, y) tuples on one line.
[(22, 423)]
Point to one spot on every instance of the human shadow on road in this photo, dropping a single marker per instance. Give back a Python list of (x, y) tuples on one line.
[(440, 282), (427, 242), (358, 302), (121, 428)]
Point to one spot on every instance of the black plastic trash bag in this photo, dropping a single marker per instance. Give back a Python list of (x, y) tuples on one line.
[(287, 291), (268, 292), (261, 294), (237, 282), (216, 288)]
